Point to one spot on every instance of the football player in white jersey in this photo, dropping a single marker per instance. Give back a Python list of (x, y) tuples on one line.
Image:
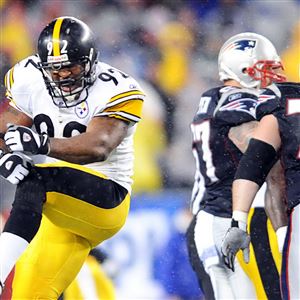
[(80, 115)]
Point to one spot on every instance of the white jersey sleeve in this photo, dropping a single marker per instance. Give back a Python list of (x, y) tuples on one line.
[(125, 99), (20, 82)]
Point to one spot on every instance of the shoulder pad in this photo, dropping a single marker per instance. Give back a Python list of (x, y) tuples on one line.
[(207, 103), (272, 89), (236, 106), (268, 101), (122, 95), (117, 81), (21, 77), (273, 97), (289, 87)]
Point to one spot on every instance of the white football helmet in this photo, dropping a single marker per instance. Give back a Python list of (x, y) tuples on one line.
[(250, 59)]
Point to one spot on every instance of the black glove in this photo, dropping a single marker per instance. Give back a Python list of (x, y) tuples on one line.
[(23, 139), (14, 167), (234, 240)]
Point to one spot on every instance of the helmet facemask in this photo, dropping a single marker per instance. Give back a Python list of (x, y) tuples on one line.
[(68, 89), (264, 71), (251, 60)]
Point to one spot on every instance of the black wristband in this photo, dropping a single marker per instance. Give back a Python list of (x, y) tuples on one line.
[(256, 162), (234, 223), (239, 224)]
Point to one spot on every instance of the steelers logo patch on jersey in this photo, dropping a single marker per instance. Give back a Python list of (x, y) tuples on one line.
[(82, 110)]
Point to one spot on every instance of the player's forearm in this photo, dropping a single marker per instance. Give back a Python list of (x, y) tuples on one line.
[(3, 147), (243, 194), (275, 205), (8, 114), (81, 149), (276, 210)]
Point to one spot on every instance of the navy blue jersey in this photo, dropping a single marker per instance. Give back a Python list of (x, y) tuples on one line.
[(216, 155), (286, 109)]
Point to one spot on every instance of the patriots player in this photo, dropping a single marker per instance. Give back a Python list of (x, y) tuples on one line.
[(277, 132), (222, 127), (79, 115)]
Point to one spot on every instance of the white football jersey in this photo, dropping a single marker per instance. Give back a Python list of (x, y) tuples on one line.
[(114, 94)]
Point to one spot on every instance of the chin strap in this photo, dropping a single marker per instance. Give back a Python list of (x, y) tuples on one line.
[(63, 102)]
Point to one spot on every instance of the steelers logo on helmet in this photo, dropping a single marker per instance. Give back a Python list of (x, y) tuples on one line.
[(68, 58)]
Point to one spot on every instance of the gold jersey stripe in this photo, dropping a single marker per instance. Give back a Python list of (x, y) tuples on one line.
[(274, 246), (251, 269), (55, 38), (132, 106), (11, 77), (6, 80), (123, 115), (122, 95), (13, 103), (8, 95), (118, 117)]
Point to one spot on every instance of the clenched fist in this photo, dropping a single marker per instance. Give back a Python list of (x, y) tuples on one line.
[(14, 167), (23, 139)]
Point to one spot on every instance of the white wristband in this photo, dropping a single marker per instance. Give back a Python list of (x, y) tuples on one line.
[(240, 216), (281, 233)]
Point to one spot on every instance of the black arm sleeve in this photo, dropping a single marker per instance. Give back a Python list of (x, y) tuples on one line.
[(256, 162)]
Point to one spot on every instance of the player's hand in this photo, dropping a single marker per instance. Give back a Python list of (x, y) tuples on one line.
[(23, 139), (14, 167), (234, 240)]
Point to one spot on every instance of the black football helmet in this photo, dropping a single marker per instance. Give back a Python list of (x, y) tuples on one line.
[(63, 43)]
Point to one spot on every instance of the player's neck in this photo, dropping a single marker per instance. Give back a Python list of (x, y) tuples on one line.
[(232, 82)]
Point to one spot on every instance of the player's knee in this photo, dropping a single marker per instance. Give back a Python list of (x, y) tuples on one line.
[(31, 193), (26, 214), (23, 222)]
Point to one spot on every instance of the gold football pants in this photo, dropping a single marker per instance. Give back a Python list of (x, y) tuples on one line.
[(265, 258), (82, 209), (103, 288)]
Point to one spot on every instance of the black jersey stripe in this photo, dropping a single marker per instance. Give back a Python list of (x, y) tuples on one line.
[(101, 192), (263, 254)]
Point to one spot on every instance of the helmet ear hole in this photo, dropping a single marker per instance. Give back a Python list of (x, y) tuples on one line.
[(250, 71)]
